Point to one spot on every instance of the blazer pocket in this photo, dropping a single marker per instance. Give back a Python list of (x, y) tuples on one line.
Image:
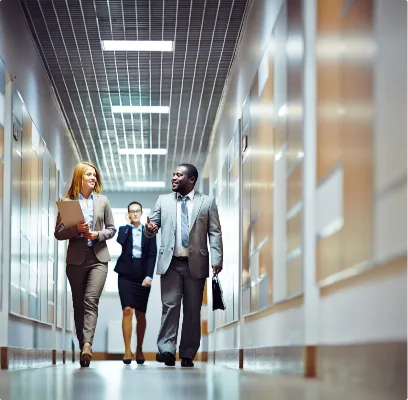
[(204, 252)]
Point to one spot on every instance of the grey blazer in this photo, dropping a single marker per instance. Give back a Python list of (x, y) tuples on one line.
[(205, 224), (78, 245)]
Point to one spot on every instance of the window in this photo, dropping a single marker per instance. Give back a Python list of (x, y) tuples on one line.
[(119, 215)]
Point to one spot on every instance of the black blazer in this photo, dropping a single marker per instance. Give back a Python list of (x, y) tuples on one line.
[(124, 265)]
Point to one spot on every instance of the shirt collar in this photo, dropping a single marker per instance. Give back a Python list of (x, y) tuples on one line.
[(83, 198), (138, 229), (190, 195)]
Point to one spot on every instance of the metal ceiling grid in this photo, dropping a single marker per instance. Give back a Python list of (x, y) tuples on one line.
[(89, 81)]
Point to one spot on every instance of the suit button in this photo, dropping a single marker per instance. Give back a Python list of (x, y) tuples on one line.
[(172, 248)]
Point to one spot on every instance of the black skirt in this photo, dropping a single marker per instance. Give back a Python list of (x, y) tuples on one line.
[(131, 292)]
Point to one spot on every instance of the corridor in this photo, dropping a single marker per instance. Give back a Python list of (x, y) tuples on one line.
[(107, 380), (263, 141)]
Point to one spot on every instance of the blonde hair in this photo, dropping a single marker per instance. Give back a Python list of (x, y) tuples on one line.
[(78, 179)]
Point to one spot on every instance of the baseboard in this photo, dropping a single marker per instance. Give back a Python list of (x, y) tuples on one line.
[(149, 356), (13, 358), (227, 358), (380, 366), (290, 359)]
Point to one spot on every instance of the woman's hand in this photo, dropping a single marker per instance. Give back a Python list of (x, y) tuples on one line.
[(91, 235), (147, 282), (82, 226)]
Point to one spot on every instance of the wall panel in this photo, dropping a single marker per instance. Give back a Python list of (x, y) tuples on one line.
[(3, 79), (272, 166), (345, 134), (33, 118)]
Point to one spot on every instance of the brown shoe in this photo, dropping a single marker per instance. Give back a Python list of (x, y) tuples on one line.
[(86, 355)]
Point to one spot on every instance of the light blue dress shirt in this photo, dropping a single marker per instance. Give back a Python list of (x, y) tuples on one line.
[(137, 241), (87, 210)]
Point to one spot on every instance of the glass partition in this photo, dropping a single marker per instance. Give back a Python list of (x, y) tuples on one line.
[(52, 243), (35, 254), (3, 80), (61, 276), (272, 162)]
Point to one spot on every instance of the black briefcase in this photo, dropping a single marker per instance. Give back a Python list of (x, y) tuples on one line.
[(217, 297)]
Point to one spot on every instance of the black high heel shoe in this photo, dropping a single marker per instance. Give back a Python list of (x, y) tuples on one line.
[(127, 361), (140, 361)]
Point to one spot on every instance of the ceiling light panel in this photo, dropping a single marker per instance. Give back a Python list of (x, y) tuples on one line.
[(137, 45)]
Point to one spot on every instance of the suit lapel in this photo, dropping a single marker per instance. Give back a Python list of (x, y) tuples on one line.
[(197, 203), (143, 240)]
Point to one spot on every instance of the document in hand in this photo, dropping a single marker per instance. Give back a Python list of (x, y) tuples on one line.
[(71, 212)]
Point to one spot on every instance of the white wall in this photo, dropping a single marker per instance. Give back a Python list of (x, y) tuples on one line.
[(18, 52), (376, 309), (373, 308), (23, 63), (287, 326)]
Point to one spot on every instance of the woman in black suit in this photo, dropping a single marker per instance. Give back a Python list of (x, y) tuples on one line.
[(135, 268)]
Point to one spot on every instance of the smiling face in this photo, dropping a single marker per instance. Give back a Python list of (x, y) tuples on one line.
[(89, 179), (182, 182), (85, 179)]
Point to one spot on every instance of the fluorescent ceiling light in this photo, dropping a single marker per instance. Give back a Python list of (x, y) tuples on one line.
[(156, 152), (137, 45), (156, 184), (140, 109)]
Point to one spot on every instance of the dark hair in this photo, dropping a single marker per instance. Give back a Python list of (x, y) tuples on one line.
[(135, 202), (192, 171)]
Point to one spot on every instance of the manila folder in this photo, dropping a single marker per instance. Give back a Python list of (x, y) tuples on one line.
[(71, 212)]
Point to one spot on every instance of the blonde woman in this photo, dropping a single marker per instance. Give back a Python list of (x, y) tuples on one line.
[(87, 255)]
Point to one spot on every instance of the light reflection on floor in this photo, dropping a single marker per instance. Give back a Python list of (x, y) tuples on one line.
[(113, 380)]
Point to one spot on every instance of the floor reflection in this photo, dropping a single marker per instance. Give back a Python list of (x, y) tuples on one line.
[(112, 380)]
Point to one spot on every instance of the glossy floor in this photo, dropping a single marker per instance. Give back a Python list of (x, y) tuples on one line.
[(113, 380)]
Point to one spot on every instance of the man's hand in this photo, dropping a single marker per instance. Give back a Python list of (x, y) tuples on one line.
[(82, 226), (91, 235), (216, 269), (147, 282), (151, 226)]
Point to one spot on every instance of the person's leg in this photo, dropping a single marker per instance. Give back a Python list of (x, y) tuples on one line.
[(95, 283), (77, 277), (171, 294), (127, 318), (191, 329), (125, 289), (140, 333)]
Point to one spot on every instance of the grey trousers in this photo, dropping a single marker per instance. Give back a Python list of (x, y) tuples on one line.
[(87, 282), (177, 284)]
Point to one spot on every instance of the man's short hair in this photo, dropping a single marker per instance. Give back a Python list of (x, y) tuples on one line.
[(192, 171)]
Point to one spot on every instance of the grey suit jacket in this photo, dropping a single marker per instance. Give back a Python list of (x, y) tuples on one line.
[(103, 223), (204, 224)]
